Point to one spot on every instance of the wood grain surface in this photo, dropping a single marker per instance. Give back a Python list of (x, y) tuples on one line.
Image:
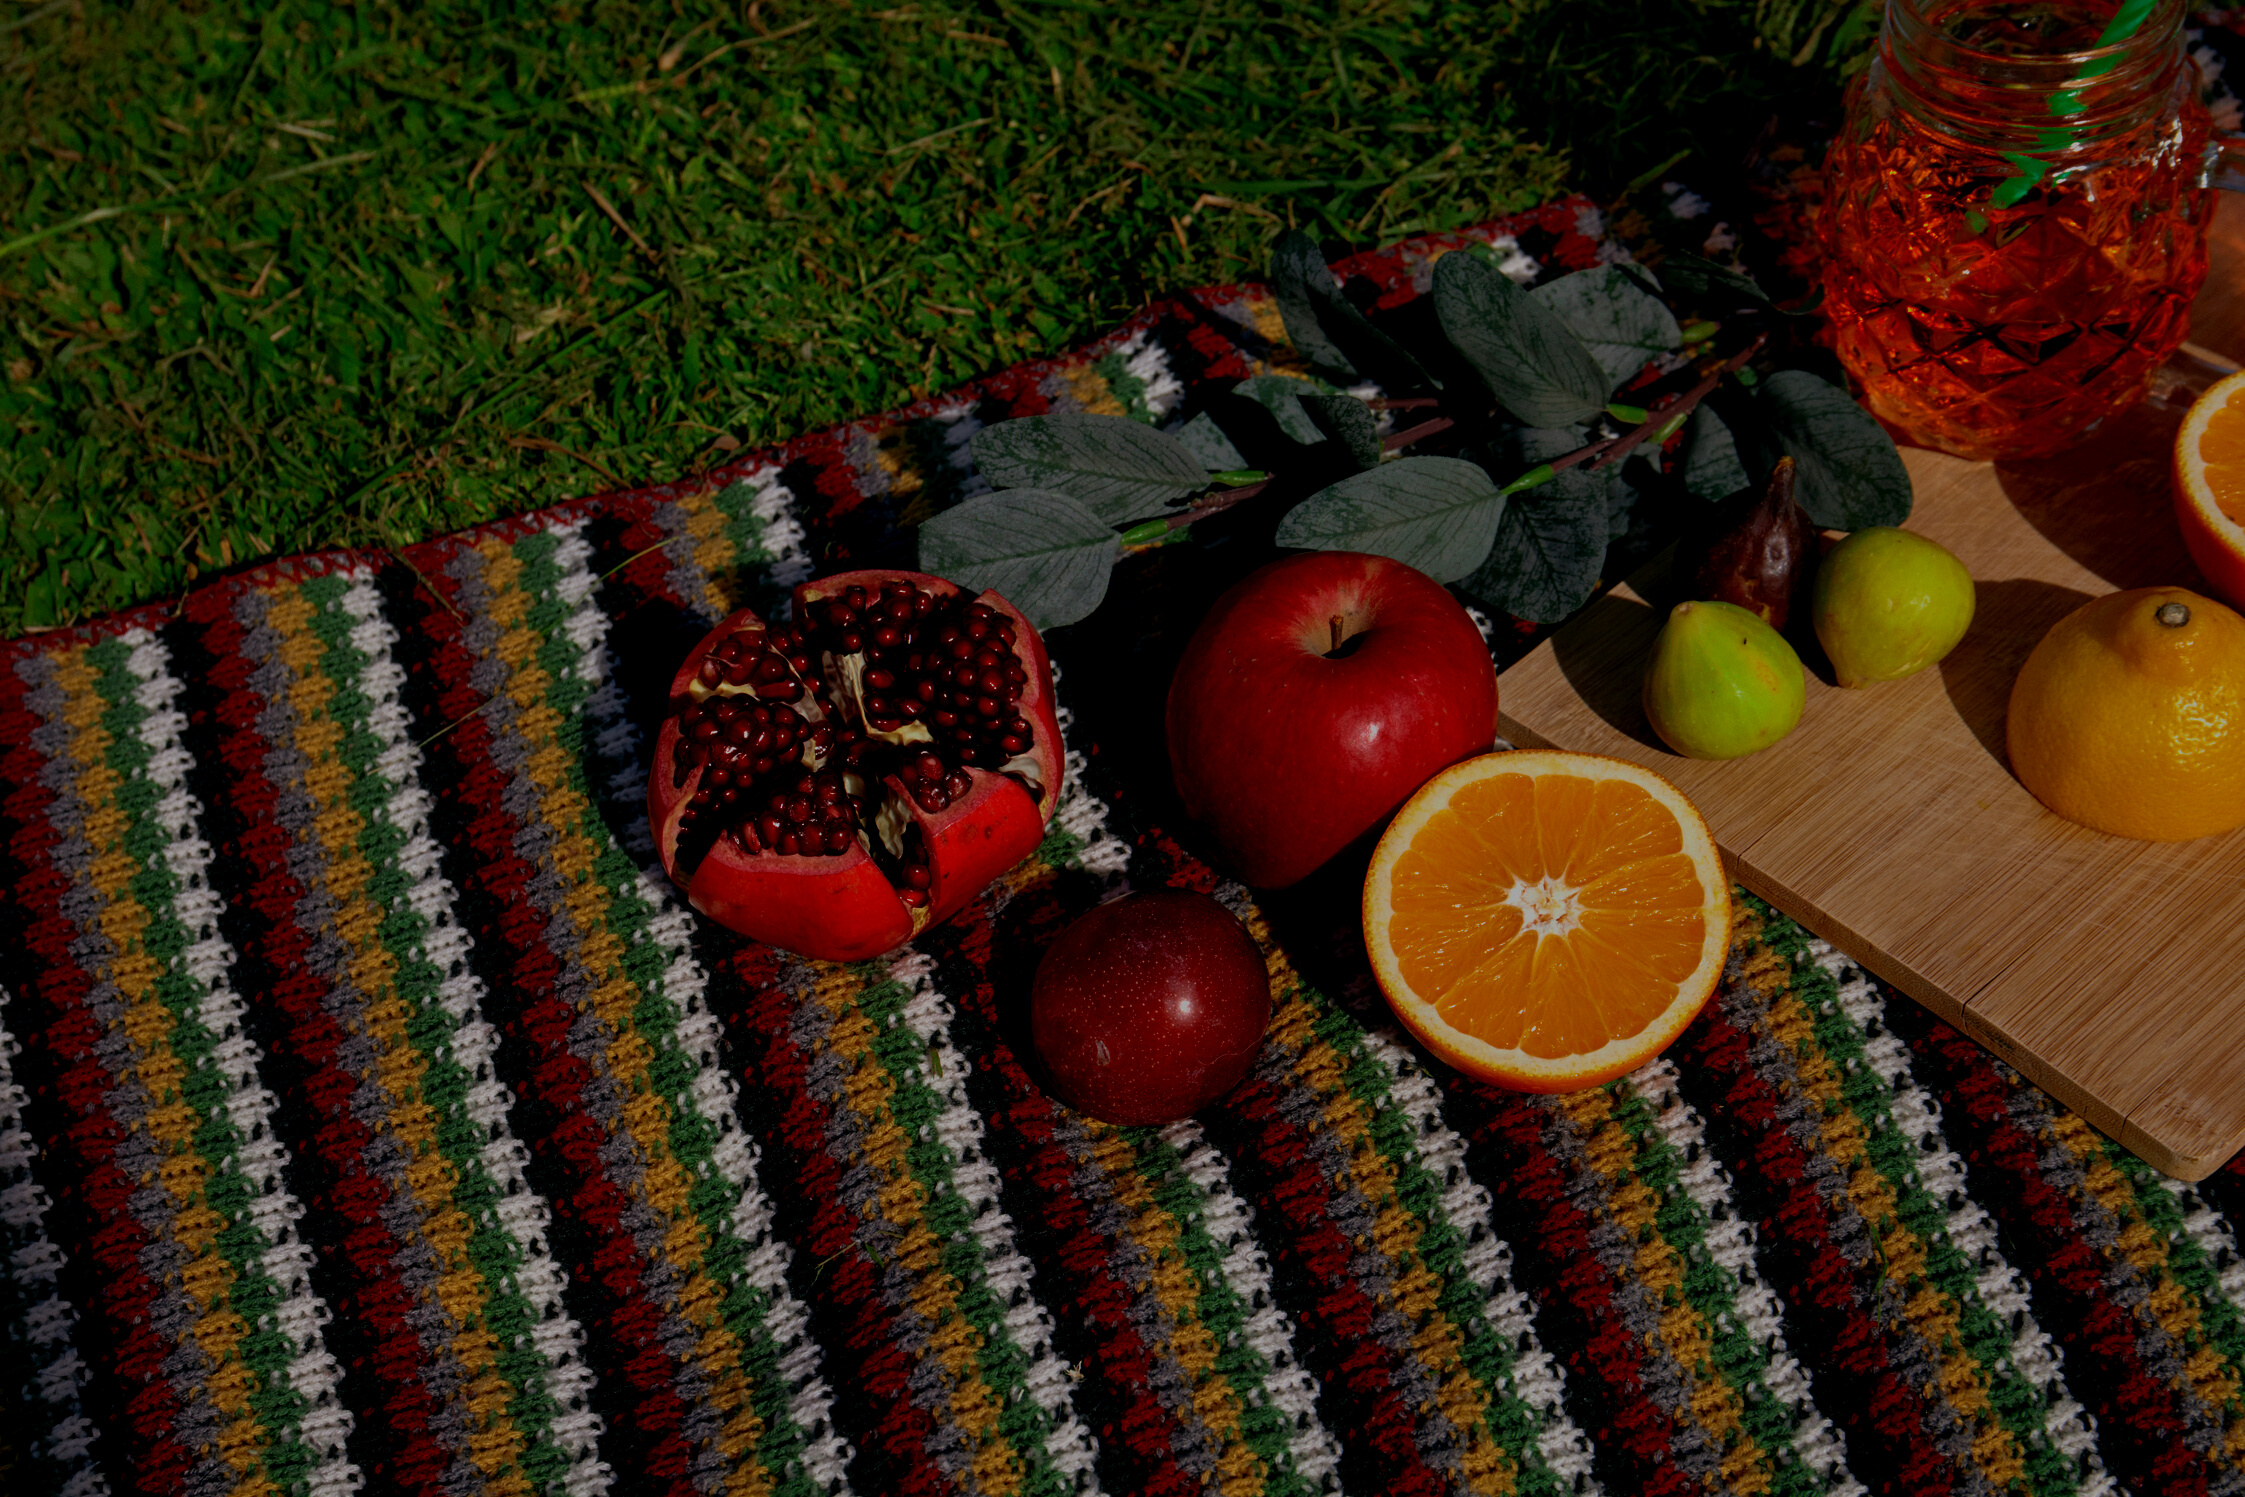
[(2111, 972)]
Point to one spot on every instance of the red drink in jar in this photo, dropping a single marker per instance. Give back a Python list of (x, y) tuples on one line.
[(2015, 217)]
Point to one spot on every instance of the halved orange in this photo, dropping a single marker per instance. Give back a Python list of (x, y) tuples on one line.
[(2210, 486), (1545, 920)]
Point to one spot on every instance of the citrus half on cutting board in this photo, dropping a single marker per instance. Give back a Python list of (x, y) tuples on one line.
[(1546, 920), (2129, 716), (2210, 486)]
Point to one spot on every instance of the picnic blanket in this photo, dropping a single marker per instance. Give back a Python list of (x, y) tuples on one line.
[(375, 1116)]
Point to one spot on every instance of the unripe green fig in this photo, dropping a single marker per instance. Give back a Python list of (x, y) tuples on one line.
[(1888, 604), (1722, 683)]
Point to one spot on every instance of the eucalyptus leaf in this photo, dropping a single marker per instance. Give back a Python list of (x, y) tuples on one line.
[(1282, 396), (1719, 287), (1119, 469), (1624, 326), (1850, 474), (1297, 269), (1711, 469), (1608, 487), (1209, 447), (1045, 553), (1434, 513), (1537, 369), (1327, 330), (1548, 553), (1350, 422), (1643, 279)]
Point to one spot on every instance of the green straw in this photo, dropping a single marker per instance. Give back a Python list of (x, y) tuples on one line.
[(2032, 169)]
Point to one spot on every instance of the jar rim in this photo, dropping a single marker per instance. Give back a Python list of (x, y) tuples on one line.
[(2158, 30), (2060, 107)]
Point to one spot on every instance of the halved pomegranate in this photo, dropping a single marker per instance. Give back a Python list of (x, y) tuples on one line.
[(836, 785)]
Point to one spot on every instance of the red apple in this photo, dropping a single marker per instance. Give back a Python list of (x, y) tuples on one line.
[(1314, 698), (1150, 1007)]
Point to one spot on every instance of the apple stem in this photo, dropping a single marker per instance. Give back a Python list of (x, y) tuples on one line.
[(1335, 622)]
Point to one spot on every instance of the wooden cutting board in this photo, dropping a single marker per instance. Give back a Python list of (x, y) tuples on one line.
[(2110, 972)]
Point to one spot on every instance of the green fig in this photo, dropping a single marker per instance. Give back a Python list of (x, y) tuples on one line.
[(1888, 603), (1722, 683)]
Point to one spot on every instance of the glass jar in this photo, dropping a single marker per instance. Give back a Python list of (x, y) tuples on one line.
[(2014, 218)]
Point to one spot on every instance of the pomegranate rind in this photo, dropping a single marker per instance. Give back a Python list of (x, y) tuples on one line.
[(1517, 1070), (837, 909), (843, 907), (2215, 541), (1036, 704), (973, 840)]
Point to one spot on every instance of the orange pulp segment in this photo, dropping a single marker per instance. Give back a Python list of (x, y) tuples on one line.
[(1547, 920), (2209, 475), (2221, 450)]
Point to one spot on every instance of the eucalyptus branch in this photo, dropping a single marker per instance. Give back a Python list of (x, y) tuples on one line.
[(1150, 533), (1544, 361), (1418, 433), (1661, 423)]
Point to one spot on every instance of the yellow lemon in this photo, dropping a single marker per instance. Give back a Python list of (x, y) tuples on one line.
[(2129, 716)]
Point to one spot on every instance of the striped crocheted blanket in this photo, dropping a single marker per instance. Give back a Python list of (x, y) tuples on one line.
[(373, 1114)]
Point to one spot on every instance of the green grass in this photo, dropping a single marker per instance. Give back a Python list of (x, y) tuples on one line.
[(366, 284)]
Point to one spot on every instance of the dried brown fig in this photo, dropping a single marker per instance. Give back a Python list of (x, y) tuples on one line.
[(1756, 550)]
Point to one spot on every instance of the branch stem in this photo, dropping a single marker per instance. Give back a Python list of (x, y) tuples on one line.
[(1611, 450), (1419, 433), (1598, 454)]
